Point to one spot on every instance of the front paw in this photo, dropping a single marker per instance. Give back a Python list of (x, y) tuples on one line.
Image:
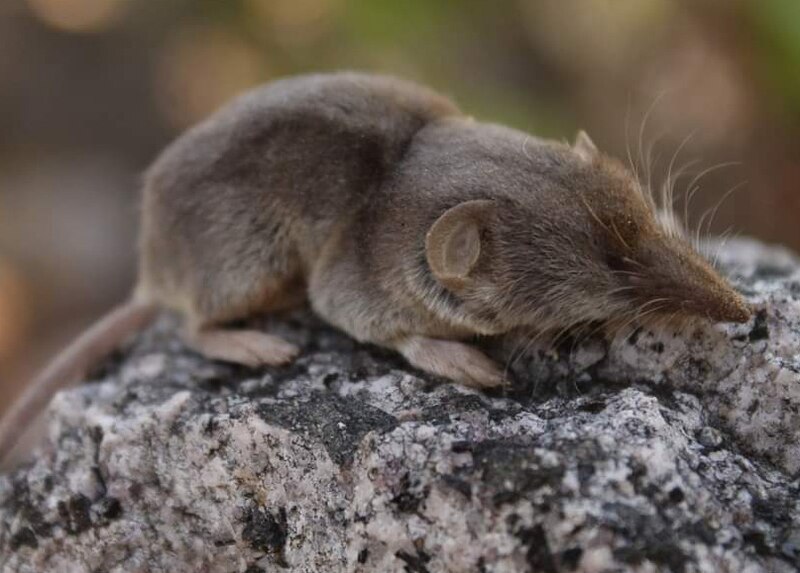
[(454, 360)]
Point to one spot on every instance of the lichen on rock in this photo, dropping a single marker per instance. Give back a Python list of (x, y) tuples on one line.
[(667, 451)]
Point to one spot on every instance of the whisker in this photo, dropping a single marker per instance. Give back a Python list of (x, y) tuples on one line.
[(592, 332), (668, 189), (693, 187), (711, 169), (520, 346), (621, 289), (726, 236), (634, 168), (645, 120), (713, 211), (619, 236), (678, 227), (651, 163)]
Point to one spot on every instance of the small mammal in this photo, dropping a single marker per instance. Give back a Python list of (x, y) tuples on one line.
[(403, 222)]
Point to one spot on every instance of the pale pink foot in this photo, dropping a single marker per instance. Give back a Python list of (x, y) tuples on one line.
[(450, 359), (247, 347)]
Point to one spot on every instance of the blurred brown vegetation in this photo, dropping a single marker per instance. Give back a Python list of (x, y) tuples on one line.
[(91, 90)]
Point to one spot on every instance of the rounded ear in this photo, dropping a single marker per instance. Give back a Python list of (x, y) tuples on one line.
[(453, 243), (585, 147)]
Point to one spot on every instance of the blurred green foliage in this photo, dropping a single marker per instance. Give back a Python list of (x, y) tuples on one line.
[(776, 25)]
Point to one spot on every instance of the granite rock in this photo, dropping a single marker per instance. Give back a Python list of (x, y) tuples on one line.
[(656, 451)]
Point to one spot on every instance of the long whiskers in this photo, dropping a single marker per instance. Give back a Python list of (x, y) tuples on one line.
[(693, 186), (713, 213), (642, 129)]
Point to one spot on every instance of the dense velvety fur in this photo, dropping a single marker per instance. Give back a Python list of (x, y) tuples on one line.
[(240, 207), (328, 185), (404, 223)]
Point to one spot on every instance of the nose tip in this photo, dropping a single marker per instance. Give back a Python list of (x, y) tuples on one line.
[(732, 309), (739, 315)]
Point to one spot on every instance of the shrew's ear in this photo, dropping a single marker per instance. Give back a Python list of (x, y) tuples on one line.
[(585, 147), (453, 243)]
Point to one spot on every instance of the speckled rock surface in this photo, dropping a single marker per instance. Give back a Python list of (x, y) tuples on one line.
[(655, 452)]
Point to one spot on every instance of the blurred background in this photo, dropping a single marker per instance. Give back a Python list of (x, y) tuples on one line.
[(91, 90)]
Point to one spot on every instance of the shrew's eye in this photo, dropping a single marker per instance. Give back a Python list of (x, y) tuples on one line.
[(625, 229), (616, 262)]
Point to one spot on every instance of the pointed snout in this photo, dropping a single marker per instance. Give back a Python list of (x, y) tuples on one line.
[(728, 306), (709, 295), (696, 288)]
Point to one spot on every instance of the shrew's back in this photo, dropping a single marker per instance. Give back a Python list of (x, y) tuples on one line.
[(251, 194)]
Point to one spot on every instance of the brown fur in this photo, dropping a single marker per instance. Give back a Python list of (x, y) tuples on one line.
[(404, 224)]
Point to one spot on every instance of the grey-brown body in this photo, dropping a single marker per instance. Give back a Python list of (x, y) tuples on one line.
[(300, 190), (402, 222), (239, 212), (330, 187)]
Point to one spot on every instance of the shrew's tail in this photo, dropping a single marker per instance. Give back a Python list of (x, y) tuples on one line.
[(70, 366)]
